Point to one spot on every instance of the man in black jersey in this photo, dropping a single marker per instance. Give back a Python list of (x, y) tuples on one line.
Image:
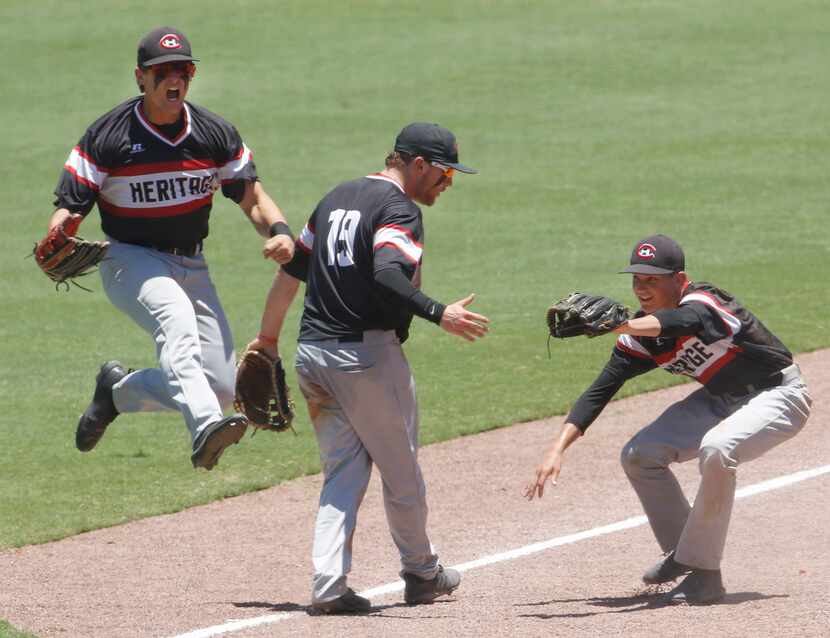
[(152, 164), (360, 255), (753, 398)]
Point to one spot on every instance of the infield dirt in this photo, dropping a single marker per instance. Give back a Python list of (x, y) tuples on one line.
[(249, 556)]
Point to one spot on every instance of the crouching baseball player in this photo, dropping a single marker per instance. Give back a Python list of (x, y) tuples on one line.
[(753, 398)]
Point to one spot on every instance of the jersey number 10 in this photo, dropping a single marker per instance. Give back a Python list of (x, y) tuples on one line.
[(340, 242)]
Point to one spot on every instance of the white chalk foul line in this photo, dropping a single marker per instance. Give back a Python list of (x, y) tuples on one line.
[(534, 548)]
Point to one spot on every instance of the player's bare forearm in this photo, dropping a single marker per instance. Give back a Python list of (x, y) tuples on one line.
[(265, 214), (281, 294), (648, 326), (260, 208), (551, 464)]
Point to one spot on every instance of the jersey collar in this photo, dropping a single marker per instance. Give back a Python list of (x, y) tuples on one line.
[(139, 113), (384, 178)]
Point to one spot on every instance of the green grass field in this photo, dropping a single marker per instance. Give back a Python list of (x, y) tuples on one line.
[(592, 124), (7, 631)]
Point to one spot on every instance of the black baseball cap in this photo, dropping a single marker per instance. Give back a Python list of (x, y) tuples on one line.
[(164, 44), (432, 142), (656, 255)]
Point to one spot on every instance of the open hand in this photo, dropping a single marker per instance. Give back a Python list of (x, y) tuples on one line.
[(461, 322), (549, 468)]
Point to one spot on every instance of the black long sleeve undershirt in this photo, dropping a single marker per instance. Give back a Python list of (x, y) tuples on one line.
[(395, 282)]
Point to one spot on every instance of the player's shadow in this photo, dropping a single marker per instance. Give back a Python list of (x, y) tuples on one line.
[(376, 610), (287, 606), (637, 602)]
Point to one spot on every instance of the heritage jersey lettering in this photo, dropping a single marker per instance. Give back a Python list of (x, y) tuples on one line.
[(149, 186)]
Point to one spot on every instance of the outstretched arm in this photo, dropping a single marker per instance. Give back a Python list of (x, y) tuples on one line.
[(551, 464), (455, 318), (269, 221), (647, 326), (282, 293)]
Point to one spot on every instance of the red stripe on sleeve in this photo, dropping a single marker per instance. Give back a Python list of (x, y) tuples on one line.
[(631, 351), (85, 182), (398, 248)]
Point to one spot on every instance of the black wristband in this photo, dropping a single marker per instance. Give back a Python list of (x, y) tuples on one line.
[(426, 308), (279, 228)]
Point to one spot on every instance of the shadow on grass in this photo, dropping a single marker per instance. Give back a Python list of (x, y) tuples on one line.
[(637, 602)]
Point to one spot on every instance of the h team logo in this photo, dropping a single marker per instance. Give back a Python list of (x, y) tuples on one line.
[(646, 251), (170, 41)]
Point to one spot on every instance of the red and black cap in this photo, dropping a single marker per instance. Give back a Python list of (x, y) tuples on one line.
[(432, 142), (656, 255), (164, 44)]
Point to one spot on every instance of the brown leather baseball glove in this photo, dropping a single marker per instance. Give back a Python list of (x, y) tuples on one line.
[(261, 392), (62, 256)]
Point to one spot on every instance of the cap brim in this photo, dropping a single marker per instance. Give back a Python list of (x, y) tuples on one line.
[(171, 57), (645, 269), (461, 168)]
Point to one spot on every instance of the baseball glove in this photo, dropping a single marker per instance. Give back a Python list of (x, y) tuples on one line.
[(63, 256), (261, 392), (581, 314)]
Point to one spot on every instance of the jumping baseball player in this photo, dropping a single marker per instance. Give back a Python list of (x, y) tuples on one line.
[(360, 255), (153, 164), (753, 398)]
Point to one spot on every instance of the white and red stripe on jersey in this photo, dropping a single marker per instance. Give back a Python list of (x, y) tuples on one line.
[(85, 170), (689, 356), (152, 188), (730, 334), (401, 239), (306, 238), (732, 322)]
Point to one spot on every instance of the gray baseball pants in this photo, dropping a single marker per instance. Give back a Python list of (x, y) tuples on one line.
[(721, 432), (173, 299), (361, 399)]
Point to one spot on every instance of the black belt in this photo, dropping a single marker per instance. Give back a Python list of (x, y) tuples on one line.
[(355, 338), (191, 250)]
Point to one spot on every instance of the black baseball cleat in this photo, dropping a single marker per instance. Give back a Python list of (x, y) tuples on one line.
[(700, 587), (420, 591), (212, 441), (101, 411), (348, 603), (665, 570)]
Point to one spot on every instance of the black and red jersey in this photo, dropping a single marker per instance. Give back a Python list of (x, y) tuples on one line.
[(709, 337), (358, 229), (151, 188)]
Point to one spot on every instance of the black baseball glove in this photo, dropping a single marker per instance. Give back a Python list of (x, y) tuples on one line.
[(63, 257), (581, 314), (261, 392)]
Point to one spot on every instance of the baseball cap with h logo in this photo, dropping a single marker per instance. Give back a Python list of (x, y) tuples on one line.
[(656, 255), (164, 44)]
